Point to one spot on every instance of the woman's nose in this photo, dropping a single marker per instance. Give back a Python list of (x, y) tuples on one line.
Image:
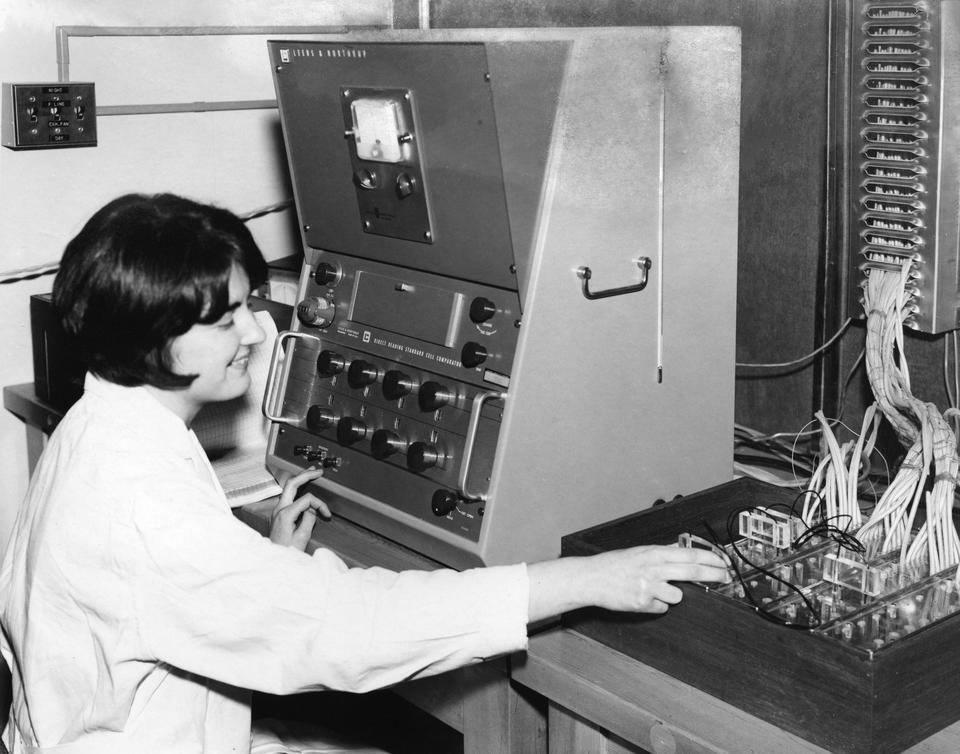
[(253, 333)]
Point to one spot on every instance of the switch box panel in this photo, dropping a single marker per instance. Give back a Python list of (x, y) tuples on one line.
[(49, 115)]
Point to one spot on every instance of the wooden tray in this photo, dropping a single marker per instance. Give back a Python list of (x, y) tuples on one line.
[(811, 685)]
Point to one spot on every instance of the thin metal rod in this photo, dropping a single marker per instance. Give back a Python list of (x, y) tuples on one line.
[(63, 34), (185, 107), (424, 14)]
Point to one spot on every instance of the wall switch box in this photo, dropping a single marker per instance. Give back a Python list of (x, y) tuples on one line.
[(49, 115)]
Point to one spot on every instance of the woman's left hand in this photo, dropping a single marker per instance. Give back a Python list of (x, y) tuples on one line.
[(291, 522)]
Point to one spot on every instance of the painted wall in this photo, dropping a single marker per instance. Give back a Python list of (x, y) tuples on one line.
[(232, 158)]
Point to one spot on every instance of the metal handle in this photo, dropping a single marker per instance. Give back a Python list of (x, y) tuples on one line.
[(472, 427), (584, 274), (269, 397)]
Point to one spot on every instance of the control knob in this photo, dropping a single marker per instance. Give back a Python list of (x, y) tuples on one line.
[(350, 430), (327, 274), (482, 309), (366, 178), (330, 363), (443, 502), (433, 396), (316, 312), (422, 456), (385, 443), (362, 373), (406, 185), (396, 385), (319, 418), (472, 354)]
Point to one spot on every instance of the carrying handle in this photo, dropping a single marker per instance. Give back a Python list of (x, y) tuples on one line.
[(584, 274), (269, 394), (478, 402)]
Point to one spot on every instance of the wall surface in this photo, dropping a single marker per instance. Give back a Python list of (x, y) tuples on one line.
[(231, 158)]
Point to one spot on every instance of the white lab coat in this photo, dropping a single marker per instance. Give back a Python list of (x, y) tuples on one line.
[(138, 611)]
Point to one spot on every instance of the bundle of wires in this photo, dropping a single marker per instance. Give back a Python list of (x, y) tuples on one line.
[(832, 491), (920, 427)]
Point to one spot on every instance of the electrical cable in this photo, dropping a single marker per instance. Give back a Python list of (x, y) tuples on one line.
[(29, 273), (51, 268), (276, 207), (802, 359)]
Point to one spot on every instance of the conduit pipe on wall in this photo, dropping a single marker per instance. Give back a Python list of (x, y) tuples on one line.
[(63, 58)]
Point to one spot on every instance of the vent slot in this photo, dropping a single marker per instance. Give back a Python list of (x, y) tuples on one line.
[(913, 84), (891, 243), (886, 206), (899, 225), (895, 12), (900, 49), (895, 138), (901, 172), (900, 120), (889, 154), (889, 102), (900, 66), (899, 190), (893, 30)]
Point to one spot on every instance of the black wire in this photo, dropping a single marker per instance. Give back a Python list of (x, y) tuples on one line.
[(823, 528), (260, 213), (32, 276), (773, 617)]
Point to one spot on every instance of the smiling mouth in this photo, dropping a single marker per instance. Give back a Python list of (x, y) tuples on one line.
[(241, 362)]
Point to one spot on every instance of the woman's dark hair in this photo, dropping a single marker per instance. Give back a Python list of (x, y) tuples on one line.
[(144, 270)]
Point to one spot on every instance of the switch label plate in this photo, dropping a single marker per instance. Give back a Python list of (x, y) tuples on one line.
[(49, 115)]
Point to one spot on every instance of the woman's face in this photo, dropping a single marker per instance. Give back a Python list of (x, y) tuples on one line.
[(217, 353)]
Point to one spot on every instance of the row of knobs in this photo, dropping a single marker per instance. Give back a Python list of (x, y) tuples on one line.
[(383, 442), (396, 384)]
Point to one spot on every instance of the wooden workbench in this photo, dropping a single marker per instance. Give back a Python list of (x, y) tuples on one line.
[(604, 702)]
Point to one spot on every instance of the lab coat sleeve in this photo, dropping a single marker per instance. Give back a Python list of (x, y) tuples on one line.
[(215, 598)]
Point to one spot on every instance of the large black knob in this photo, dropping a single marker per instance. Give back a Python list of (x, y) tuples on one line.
[(482, 309), (433, 396), (385, 443), (350, 431), (472, 354), (327, 274), (422, 456), (362, 373), (443, 502), (396, 385), (318, 418), (330, 363)]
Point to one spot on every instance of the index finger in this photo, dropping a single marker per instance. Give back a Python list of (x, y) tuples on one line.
[(698, 555), (293, 484), (692, 572)]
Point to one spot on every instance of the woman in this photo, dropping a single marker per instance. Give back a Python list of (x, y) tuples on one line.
[(137, 611)]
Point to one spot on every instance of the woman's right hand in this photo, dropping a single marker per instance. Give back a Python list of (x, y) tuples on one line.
[(637, 579), (292, 520)]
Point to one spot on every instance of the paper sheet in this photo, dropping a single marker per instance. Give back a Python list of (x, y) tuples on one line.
[(234, 433)]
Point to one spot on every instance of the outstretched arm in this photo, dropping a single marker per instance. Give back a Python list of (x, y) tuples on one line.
[(637, 579)]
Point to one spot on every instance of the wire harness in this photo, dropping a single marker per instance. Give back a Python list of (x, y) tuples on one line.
[(928, 472)]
